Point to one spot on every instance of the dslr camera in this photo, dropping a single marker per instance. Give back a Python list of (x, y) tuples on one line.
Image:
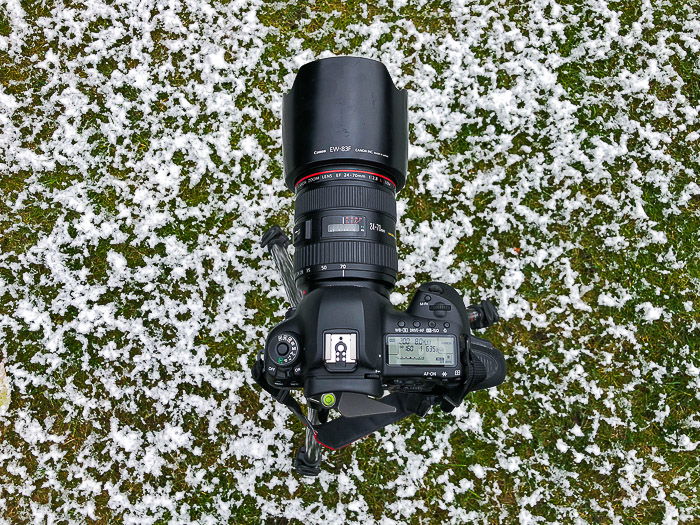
[(354, 355)]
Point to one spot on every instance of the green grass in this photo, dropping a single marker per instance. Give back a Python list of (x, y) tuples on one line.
[(214, 216)]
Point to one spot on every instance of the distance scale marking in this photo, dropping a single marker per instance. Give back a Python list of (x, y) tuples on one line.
[(344, 224), (342, 227)]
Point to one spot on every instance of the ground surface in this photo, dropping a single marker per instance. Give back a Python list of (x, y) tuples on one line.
[(554, 168)]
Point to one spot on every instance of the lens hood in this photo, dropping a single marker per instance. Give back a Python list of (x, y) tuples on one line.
[(345, 110)]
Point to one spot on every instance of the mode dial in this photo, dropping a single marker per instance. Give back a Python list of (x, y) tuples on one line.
[(283, 350)]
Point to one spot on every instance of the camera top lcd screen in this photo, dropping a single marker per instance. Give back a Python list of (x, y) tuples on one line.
[(421, 350)]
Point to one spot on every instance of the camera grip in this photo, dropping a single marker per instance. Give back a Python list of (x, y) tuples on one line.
[(488, 363)]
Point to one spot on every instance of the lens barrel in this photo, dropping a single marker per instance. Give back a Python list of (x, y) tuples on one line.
[(345, 227), (345, 144)]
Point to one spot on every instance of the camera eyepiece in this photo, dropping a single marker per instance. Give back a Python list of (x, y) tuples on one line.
[(345, 143)]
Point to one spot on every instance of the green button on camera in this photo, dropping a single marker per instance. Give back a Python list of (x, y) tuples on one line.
[(328, 400)]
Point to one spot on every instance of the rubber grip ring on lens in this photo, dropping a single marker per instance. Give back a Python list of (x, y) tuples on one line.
[(345, 195)]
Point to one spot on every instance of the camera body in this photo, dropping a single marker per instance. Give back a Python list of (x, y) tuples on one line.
[(345, 145), (352, 339)]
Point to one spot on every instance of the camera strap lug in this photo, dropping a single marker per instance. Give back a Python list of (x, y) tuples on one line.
[(283, 396)]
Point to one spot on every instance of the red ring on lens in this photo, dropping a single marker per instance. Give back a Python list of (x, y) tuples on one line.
[(338, 171)]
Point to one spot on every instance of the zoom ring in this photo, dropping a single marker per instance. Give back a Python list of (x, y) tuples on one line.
[(344, 195), (346, 252)]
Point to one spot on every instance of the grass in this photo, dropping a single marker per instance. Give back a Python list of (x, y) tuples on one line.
[(172, 337)]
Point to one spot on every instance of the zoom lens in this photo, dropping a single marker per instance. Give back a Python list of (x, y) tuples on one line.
[(345, 143)]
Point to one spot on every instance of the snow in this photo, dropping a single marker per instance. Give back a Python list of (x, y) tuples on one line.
[(649, 311), (553, 170)]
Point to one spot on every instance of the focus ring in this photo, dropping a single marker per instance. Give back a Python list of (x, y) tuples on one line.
[(346, 252), (345, 195)]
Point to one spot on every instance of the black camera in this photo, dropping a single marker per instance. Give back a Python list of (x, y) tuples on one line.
[(345, 144)]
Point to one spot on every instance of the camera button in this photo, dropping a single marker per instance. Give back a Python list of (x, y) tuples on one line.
[(436, 288), (446, 325), (440, 309), (427, 298), (416, 324), (402, 324), (282, 349), (431, 324)]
